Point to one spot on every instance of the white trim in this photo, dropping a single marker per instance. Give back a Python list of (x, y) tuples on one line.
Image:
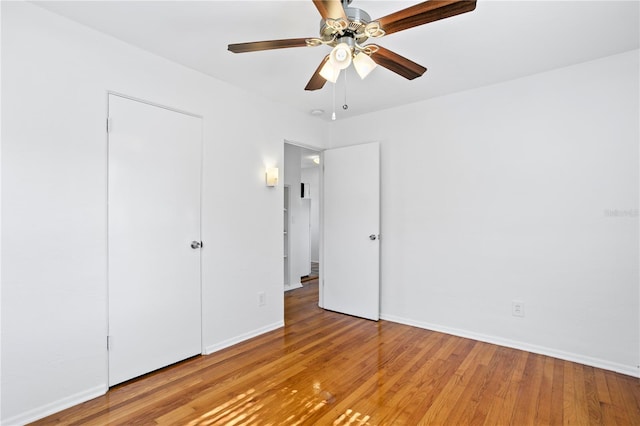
[(567, 356), (133, 98), (292, 286), (56, 406), (304, 145), (241, 338)]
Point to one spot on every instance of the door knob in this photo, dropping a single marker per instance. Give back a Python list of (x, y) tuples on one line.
[(196, 244), (372, 237)]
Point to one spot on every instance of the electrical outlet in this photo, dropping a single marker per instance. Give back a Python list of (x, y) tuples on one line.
[(517, 308), (262, 298)]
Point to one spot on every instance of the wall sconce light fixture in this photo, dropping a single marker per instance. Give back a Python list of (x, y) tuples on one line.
[(272, 176)]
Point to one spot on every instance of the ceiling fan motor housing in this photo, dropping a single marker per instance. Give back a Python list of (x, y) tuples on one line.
[(354, 28)]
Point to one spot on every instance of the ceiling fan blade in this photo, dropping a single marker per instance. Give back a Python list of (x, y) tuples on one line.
[(396, 63), (330, 9), (255, 46), (317, 81), (423, 13)]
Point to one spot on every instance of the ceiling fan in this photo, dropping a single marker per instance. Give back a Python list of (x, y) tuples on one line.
[(346, 29)]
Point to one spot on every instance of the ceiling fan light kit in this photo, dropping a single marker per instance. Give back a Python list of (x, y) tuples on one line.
[(340, 56), (330, 72), (363, 64), (345, 29)]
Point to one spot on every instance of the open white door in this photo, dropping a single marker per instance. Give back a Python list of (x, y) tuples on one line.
[(154, 237), (351, 273)]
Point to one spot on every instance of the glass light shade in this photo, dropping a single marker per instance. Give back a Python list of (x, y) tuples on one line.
[(363, 64), (330, 72), (341, 56), (272, 176)]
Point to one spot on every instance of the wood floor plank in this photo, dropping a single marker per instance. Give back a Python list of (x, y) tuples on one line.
[(570, 416), (449, 396), (557, 393), (397, 389), (591, 394), (464, 410), (500, 368), (324, 368), (601, 385), (396, 361), (502, 406), (630, 394), (424, 383), (580, 397), (615, 412), (543, 408), (529, 391)]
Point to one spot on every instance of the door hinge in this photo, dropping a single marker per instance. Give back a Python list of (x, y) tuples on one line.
[(108, 342), (109, 123)]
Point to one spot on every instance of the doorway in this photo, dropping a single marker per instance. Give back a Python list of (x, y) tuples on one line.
[(310, 193), (349, 228), (302, 215)]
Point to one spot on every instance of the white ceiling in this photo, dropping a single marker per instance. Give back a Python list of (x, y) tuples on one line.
[(500, 40)]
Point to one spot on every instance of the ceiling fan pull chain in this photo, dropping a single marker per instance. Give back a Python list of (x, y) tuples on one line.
[(333, 116), (345, 106)]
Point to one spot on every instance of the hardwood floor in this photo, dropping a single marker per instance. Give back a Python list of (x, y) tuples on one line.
[(313, 274), (324, 368)]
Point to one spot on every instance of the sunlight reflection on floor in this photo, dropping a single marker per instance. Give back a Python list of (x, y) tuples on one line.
[(248, 409), (351, 417)]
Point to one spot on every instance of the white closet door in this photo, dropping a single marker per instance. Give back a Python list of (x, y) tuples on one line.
[(154, 215), (351, 230)]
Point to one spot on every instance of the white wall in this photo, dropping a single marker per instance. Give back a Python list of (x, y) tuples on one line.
[(509, 192), (55, 78), (311, 175), (500, 193)]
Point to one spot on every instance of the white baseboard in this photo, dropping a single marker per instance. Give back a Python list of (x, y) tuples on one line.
[(567, 356), (241, 338), (62, 404), (293, 286), (56, 406)]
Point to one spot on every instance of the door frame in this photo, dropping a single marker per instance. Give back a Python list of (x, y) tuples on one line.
[(320, 152), (109, 93)]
